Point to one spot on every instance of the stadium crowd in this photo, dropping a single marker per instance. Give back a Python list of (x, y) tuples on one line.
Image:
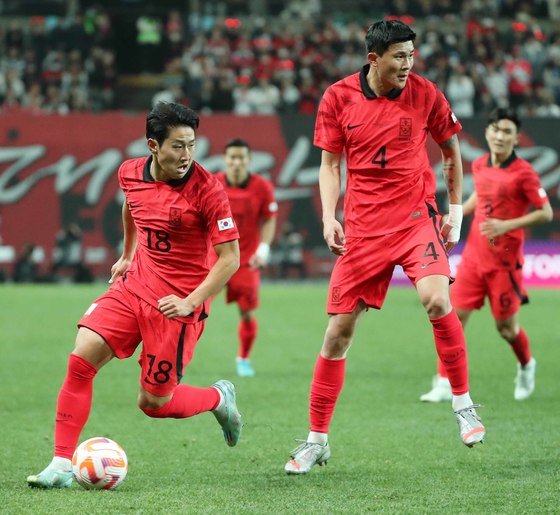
[(483, 54)]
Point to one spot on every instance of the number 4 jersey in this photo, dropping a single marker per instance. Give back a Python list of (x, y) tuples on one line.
[(176, 223), (384, 142)]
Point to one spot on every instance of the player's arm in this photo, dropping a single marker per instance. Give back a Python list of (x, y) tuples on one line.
[(129, 244), (453, 175), (329, 186), (226, 265), (469, 205), (261, 256), (493, 227)]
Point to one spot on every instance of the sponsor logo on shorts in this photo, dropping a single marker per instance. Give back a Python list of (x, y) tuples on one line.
[(224, 224), (90, 309), (175, 216), (273, 207), (416, 214), (453, 117), (405, 129), (335, 295), (426, 265), (542, 193)]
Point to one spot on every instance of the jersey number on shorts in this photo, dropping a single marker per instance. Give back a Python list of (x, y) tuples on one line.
[(431, 251), (162, 372), (379, 157), (158, 240)]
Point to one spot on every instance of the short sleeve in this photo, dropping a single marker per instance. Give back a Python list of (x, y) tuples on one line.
[(328, 132), (269, 207), (533, 190), (442, 122), (216, 213)]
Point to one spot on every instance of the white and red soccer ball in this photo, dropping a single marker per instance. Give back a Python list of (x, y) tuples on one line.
[(99, 464)]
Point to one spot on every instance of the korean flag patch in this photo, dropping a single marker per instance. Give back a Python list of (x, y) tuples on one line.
[(225, 223)]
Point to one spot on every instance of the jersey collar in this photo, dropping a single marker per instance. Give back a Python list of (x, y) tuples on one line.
[(506, 163), (368, 92), (242, 185), (147, 176)]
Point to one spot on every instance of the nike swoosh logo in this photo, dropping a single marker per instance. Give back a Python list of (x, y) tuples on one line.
[(425, 265), (350, 127)]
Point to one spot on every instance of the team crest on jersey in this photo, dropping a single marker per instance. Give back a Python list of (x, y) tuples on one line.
[(335, 295), (405, 128), (175, 216)]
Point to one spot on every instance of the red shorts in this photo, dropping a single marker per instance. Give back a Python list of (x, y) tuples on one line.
[(124, 320), (503, 288), (243, 288), (364, 272)]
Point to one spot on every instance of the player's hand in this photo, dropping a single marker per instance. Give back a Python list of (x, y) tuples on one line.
[(334, 236), (256, 262), (451, 228), (119, 268), (492, 227), (260, 258), (173, 306)]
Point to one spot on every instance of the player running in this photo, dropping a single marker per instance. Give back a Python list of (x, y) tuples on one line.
[(254, 210), (505, 186), (160, 288)]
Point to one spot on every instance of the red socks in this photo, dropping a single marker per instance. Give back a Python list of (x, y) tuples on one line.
[(521, 347), (450, 346), (247, 333), (73, 406), (328, 379), (186, 402)]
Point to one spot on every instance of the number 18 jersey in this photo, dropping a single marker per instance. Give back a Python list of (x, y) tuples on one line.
[(384, 142), (176, 222)]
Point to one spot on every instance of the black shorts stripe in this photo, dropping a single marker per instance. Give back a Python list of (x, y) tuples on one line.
[(433, 215), (517, 290), (179, 358)]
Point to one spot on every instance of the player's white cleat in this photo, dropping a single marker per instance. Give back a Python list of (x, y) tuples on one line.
[(51, 477), (227, 414), (525, 380), (244, 368), (471, 429), (440, 392), (307, 454)]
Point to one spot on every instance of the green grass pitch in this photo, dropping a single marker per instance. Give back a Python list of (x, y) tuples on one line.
[(391, 453)]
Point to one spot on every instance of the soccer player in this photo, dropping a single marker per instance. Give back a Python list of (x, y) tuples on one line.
[(505, 186), (160, 288), (380, 118), (254, 210)]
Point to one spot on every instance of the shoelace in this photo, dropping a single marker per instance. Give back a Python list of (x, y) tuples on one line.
[(472, 406), (302, 446)]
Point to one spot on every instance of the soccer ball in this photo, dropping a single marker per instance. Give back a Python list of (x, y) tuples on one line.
[(99, 464)]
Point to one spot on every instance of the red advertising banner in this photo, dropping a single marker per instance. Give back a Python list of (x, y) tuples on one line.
[(57, 170)]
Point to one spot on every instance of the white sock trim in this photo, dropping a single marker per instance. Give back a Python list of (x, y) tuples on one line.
[(59, 463), (461, 401), (314, 437)]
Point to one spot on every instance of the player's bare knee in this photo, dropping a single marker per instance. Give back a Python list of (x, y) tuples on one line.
[(147, 401), (506, 332), (337, 341), (437, 305)]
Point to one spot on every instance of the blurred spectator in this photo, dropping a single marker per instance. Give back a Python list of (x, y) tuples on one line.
[(68, 255), (26, 268), (280, 62), (291, 252)]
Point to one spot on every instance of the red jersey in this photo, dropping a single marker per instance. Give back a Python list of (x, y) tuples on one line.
[(503, 193), (176, 223), (384, 141), (251, 202)]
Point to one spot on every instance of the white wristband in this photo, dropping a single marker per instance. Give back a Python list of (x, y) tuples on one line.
[(455, 220), (263, 252)]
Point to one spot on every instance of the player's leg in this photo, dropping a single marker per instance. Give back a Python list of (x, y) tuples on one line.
[(247, 332), (326, 385), (506, 297), (441, 388), (168, 347), (73, 406), (450, 344)]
